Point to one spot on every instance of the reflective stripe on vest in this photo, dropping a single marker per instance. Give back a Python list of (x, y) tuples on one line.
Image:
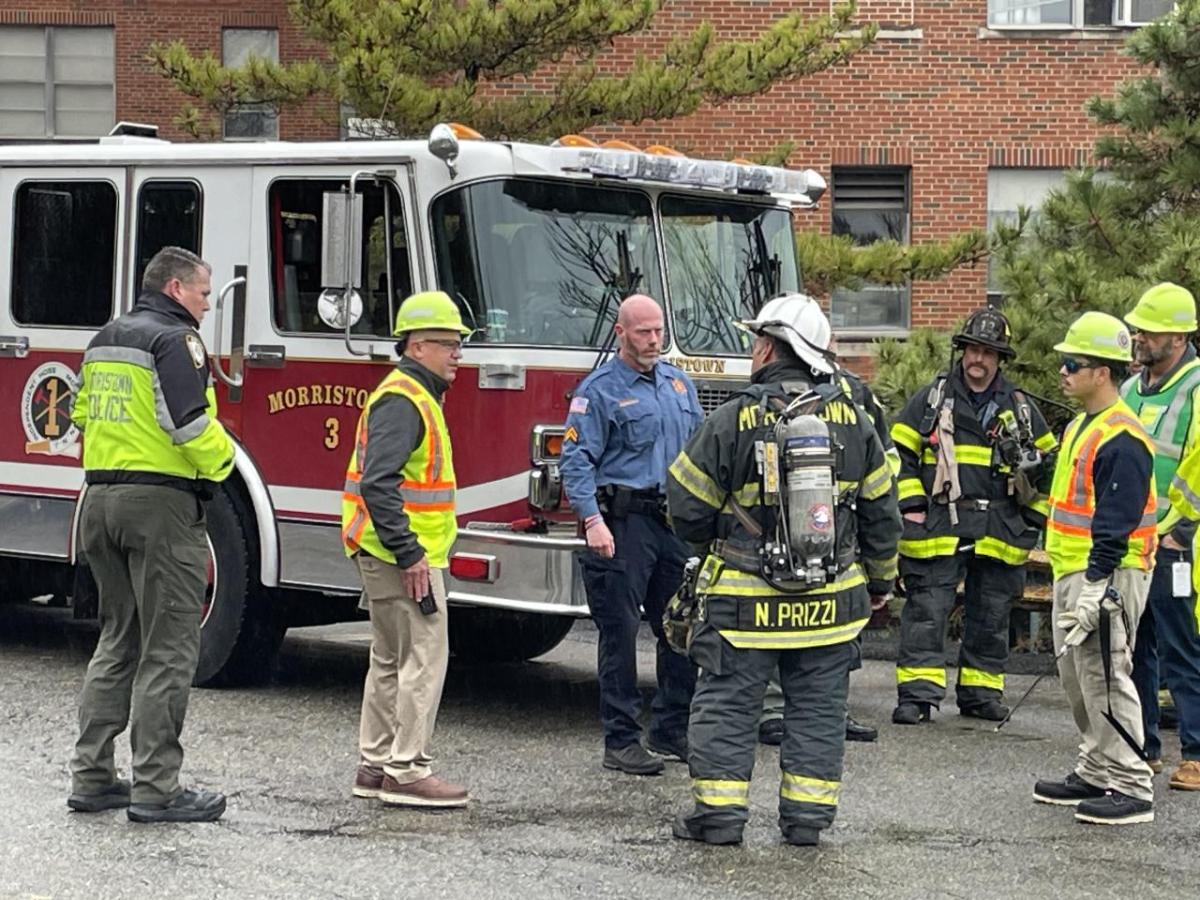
[(1166, 414), (427, 486), (1073, 495)]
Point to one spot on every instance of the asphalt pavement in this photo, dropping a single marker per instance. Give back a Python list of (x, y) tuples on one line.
[(937, 811)]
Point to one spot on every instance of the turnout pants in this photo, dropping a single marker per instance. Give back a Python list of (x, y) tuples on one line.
[(1167, 643), (1105, 760), (147, 549), (644, 574), (772, 709), (931, 586), (410, 653), (723, 732)]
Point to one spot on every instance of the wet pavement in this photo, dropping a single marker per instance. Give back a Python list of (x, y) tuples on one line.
[(939, 811)]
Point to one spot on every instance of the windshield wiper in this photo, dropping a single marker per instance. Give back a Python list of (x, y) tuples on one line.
[(769, 267), (623, 284)]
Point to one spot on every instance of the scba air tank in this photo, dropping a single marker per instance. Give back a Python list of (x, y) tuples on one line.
[(809, 496)]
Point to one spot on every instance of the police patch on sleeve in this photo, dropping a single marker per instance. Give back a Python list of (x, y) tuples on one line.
[(196, 349)]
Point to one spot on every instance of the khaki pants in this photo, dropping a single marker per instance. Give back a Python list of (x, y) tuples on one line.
[(409, 655), (1105, 760)]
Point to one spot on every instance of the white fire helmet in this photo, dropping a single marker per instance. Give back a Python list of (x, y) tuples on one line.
[(797, 319)]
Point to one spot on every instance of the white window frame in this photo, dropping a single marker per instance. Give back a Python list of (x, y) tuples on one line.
[(1124, 16), (50, 84), (1121, 17), (273, 133)]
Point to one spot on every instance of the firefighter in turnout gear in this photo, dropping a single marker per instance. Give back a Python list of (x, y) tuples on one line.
[(786, 491), (972, 489)]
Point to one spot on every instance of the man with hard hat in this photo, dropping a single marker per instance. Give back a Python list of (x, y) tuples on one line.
[(786, 491), (1100, 536), (1164, 397), (398, 525), (972, 493)]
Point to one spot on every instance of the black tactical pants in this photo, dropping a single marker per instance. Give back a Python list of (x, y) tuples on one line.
[(723, 731), (931, 586)]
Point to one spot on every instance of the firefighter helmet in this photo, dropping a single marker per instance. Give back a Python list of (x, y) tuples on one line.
[(797, 320), (429, 311), (1098, 335), (1165, 308), (986, 327)]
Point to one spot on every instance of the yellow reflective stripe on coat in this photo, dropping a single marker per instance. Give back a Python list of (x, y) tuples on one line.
[(927, 548), (802, 789), (907, 437), (910, 487), (968, 677), (1041, 504), (994, 548), (731, 582), (1046, 442), (793, 640), (973, 454), (893, 460), (877, 484), (907, 674), (695, 482), (882, 569), (712, 792)]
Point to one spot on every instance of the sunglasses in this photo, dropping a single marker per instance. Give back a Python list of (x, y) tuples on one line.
[(1073, 365), (450, 345)]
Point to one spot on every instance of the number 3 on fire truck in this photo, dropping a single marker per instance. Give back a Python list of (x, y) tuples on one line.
[(331, 433)]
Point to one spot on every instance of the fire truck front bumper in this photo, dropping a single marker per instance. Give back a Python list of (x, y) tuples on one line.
[(492, 565)]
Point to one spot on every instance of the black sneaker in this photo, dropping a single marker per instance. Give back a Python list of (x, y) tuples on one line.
[(187, 806), (675, 748), (770, 732), (114, 796), (689, 831), (632, 760), (799, 836), (912, 713), (991, 710), (1115, 808), (1068, 792), (856, 731)]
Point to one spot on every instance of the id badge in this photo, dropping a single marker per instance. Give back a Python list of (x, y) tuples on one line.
[(1181, 579)]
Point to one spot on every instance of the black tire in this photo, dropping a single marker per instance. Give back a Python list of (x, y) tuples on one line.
[(478, 634), (240, 633)]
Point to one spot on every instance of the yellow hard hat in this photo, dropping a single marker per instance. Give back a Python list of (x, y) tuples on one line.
[(1165, 307), (430, 310), (1100, 335)]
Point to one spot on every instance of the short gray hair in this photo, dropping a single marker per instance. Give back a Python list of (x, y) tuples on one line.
[(172, 262)]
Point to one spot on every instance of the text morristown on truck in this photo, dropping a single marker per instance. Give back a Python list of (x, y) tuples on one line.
[(538, 244)]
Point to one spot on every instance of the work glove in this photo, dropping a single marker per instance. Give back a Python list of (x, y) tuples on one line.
[(1083, 619)]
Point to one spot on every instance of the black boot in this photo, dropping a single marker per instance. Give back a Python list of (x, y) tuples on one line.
[(856, 731), (686, 830), (991, 710), (187, 806), (771, 732), (912, 713)]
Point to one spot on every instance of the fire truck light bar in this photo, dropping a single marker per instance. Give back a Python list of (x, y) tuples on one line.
[(806, 186)]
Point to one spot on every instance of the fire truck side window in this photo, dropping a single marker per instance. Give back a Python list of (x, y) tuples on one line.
[(295, 207), (168, 216), (64, 253)]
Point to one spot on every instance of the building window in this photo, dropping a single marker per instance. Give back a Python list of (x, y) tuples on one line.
[(169, 215), (1075, 13), (250, 121), (56, 82), (1009, 189), (64, 253), (871, 205)]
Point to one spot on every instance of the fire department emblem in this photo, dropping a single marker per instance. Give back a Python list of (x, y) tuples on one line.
[(821, 518), (46, 411), (1122, 339), (196, 349)]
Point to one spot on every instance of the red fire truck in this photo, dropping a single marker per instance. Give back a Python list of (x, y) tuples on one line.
[(538, 244)]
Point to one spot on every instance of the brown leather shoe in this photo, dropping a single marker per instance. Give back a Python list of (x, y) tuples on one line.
[(429, 791), (1187, 776), (367, 781)]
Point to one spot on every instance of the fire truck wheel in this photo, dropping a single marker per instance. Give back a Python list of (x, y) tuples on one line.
[(478, 634), (239, 634)]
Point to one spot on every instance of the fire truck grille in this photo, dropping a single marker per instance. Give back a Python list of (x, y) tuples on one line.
[(712, 394)]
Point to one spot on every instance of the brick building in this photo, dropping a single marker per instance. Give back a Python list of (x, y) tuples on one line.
[(962, 110)]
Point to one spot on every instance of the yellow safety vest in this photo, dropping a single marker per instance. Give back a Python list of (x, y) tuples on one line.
[(1073, 495), (427, 487)]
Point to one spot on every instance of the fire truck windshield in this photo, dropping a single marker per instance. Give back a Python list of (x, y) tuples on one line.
[(544, 262), (725, 259)]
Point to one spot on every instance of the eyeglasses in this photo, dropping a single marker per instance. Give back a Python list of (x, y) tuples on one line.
[(1073, 365), (449, 344)]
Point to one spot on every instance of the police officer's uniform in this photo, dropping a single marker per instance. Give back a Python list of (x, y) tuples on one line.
[(152, 447), (741, 637), (623, 429), (984, 535)]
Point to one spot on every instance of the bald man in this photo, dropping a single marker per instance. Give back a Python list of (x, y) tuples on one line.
[(627, 422)]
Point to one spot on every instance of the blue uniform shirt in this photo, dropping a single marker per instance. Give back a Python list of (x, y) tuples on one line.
[(625, 428)]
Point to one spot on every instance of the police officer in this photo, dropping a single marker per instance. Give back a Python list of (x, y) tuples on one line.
[(1101, 537), (152, 448), (972, 492), (773, 597), (627, 421), (1164, 396)]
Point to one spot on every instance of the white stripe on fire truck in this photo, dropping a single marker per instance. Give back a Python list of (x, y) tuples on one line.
[(470, 499)]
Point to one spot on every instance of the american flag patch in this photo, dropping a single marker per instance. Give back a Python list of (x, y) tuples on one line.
[(578, 405)]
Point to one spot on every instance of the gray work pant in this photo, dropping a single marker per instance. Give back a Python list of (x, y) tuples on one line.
[(1105, 760), (147, 549), (723, 733)]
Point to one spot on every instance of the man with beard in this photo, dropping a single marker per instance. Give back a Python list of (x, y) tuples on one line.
[(972, 489), (627, 421), (1164, 396)]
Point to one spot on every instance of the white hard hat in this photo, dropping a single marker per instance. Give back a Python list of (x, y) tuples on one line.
[(797, 319)]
